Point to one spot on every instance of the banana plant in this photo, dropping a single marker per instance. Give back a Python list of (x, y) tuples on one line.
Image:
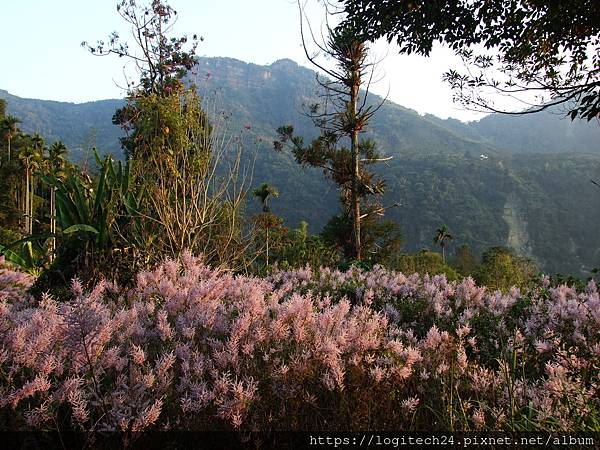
[(127, 202), (90, 215), (25, 257), (95, 212)]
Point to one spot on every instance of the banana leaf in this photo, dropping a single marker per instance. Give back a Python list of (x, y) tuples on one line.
[(24, 257), (80, 227)]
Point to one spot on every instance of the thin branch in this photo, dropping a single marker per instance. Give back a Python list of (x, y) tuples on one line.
[(388, 158)]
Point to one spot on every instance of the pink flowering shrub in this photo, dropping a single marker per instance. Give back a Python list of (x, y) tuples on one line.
[(13, 283), (191, 347)]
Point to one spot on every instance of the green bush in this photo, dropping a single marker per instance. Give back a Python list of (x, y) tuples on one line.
[(424, 262)]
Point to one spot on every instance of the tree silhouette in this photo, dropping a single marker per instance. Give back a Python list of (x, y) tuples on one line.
[(264, 191), (441, 236), (266, 220), (548, 48), (9, 130), (56, 164), (31, 158), (161, 59), (350, 114)]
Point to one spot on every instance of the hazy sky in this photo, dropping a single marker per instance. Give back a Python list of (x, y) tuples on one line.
[(42, 57)]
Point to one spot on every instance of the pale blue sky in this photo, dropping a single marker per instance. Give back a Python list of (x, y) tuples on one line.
[(42, 57)]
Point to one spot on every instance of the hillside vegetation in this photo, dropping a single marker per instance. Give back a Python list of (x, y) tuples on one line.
[(530, 191)]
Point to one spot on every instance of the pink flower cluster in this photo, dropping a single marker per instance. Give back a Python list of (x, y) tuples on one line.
[(13, 284), (191, 347)]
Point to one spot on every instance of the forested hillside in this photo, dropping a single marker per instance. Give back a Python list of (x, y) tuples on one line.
[(521, 182)]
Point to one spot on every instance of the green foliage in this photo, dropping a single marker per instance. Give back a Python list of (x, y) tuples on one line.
[(550, 47), (96, 224), (162, 126), (297, 248), (92, 209), (263, 192), (381, 239), (8, 236), (25, 257), (10, 213), (290, 248), (464, 262), (424, 262), (502, 269), (24, 198)]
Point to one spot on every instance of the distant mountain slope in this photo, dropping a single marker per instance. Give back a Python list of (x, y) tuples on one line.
[(80, 126), (270, 96), (549, 131), (530, 190)]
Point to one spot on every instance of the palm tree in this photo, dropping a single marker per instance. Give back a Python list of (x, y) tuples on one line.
[(26, 155), (264, 191), (441, 236), (56, 160), (31, 157), (10, 130)]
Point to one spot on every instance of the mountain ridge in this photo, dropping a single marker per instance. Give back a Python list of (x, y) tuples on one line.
[(472, 176), (479, 131)]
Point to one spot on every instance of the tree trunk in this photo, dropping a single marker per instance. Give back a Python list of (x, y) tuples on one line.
[(52, 222), (355, 166), (267, 246), (31, 197), (26, 205)]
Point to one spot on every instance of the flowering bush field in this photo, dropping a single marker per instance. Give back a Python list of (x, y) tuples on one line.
[(191, 347), (13, 284)]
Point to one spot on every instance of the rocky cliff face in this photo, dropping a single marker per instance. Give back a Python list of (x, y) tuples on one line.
[(516, 218)]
